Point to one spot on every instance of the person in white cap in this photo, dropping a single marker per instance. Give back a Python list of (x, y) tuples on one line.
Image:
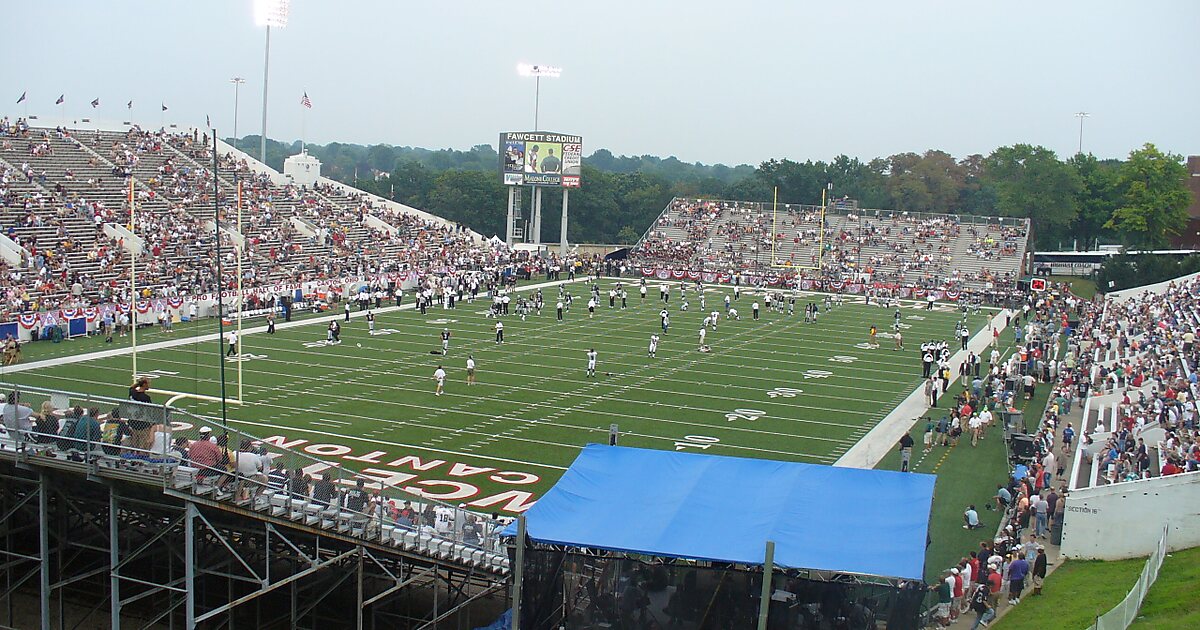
[(206, 434)]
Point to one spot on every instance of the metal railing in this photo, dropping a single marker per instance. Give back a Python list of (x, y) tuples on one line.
[(1123, 614), (159, 445)]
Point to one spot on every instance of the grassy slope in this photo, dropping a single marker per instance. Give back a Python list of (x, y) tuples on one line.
[(1172, 602), (1074, 595), (1082, 287), (533, 404)]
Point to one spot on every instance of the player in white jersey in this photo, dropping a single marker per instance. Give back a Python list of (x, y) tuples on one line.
[(653, 346), (591, 364), (470, 369), (733, 314), (703, 332), (715, 315), (439, 376)]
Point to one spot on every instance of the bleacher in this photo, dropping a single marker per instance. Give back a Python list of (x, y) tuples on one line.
[(62, 187), (463, 538), (900, 248), (1143, 387)]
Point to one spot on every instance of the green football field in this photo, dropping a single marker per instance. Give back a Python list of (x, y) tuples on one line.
[(776, 388)]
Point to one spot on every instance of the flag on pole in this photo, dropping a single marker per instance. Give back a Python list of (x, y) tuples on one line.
[(129, 105), (22, 99), (164, 107), (95, 103), (306, 101), (61, 99)]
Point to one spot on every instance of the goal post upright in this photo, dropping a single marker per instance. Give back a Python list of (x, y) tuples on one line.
[(241, 305), (820, 231), (774, 223)]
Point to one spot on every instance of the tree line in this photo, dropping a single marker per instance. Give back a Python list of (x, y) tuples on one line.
[(1140, 202)]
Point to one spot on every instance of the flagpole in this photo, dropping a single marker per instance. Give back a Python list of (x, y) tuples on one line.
[(133, 279), (303, 120)]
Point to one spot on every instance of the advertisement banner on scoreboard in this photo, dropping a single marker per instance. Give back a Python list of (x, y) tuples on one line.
[(541, 158)]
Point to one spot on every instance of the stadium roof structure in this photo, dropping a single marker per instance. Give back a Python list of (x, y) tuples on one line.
[(725, 509)]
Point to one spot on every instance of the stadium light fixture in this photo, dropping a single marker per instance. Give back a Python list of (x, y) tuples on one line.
[(537, 71), (532, 70), (268, 13)]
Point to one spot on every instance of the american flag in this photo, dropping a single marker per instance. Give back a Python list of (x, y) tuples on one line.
[(305, 101)]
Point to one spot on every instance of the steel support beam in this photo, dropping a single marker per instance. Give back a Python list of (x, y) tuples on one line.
[(284, 582), (44, 548)]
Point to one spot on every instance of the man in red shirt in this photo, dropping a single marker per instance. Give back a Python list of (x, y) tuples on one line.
[(995, 582)]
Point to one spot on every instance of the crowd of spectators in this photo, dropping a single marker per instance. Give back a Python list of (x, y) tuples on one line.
[(1138, 353), (928, 251), (70, 185)]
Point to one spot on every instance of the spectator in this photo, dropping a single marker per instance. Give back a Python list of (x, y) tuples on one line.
[(971, 518)]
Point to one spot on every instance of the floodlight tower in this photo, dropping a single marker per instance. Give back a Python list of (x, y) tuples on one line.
[(268, 13), (1081, 116), (237, 83), (537, 72)]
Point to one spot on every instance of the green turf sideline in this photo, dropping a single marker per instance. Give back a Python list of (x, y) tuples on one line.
[(172, 341), (875, 445)]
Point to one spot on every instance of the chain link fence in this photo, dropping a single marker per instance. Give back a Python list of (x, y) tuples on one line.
[(1123, 615)]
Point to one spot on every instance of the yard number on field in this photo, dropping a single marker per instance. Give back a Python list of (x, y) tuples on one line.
[(696, 441), (784, 392), (817, 374), (841, 358), (154, 374), (745, 414)]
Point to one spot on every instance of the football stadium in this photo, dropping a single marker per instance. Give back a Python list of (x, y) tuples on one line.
[(252, 384)]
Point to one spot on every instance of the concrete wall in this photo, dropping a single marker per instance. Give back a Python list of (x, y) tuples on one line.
[(1125, 520), (12, 253), (1158, 288), (133, 242)]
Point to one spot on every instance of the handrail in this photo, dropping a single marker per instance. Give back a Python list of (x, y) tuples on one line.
[(164, 426)]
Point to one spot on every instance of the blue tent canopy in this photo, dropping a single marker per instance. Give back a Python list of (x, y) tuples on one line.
[(725, 509)]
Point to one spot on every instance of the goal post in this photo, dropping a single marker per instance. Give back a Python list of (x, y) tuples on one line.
[(820, 233)]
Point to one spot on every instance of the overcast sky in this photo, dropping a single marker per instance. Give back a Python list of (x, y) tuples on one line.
[(704, 80)]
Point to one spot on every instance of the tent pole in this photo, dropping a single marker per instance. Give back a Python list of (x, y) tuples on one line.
[(518, 573), (764, 602)]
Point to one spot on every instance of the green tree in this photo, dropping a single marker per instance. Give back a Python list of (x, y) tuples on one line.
[(1099, 197), (1030, 182), (628, 235), (1154, 198)]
